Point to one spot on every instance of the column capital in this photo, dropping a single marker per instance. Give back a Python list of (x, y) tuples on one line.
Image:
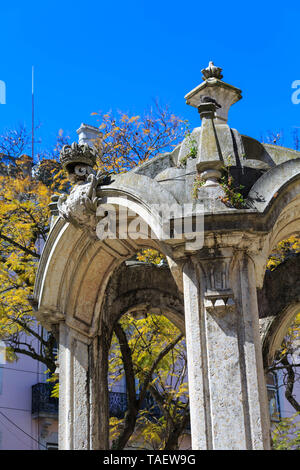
[(214, 276), (50, 319)]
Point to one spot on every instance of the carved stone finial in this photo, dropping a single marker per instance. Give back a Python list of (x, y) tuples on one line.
[(78, 160), (211, 72), (214, 90), (71, 155)]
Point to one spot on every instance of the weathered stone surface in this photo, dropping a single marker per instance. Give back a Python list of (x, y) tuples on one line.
[(223, 325)]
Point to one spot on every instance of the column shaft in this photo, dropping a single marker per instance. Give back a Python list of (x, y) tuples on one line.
[(83, 396), (74, 405), (226, 379)]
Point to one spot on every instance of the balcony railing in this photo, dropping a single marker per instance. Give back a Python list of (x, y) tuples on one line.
[(118, 405), (43, 404)]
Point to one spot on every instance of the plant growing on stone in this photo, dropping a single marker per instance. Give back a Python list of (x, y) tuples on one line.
[(198, 182), (233, 196), (191, 143)]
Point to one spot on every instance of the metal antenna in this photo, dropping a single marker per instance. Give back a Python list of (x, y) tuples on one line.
[(32, 113)]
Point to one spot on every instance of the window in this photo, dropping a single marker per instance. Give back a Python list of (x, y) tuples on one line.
[(272, 389)]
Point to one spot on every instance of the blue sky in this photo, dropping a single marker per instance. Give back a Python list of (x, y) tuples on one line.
[(96, 55)]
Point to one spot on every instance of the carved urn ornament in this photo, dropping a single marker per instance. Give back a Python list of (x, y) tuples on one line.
[(78, 160), (212, 72), (79, 208), (214, 90)]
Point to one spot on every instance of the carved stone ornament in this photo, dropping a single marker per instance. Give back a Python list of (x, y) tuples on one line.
[(218, 297), (212, 72), (77, 154), (79, 208), (219, 302)]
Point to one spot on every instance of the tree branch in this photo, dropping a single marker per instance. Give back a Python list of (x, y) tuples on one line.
[(162, 354), (290, 384), (23, 248), (132, 412)]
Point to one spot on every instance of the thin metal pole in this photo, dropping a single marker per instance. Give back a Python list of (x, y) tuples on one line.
[(32, 114)]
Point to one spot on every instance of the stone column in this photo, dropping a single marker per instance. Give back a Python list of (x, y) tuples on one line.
[(228, 398), (65, 410), (83, 396), (102, 391), (74, 406)]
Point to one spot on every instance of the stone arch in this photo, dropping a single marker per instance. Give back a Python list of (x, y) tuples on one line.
[(279, 302), (73, 273), (276, 331), (75, 268), (276, 197), (72, 285), (137, 287), (133, 287)]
